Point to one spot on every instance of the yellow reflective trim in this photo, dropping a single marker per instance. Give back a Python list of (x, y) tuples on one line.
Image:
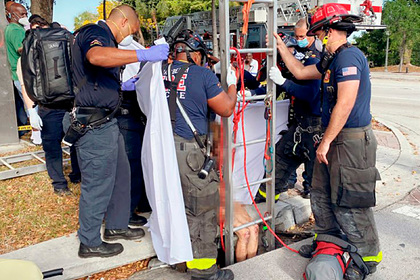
[(263, 194), (24, 127), (377, 258), (316, 235), (201, 263)]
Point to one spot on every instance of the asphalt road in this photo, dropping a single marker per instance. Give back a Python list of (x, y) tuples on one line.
[(398, 102)]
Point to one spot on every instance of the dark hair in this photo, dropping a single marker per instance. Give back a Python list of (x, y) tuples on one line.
[(37, 19)]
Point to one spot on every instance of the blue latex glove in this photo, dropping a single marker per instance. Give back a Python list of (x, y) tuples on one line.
[(130, 84), (154, 53)]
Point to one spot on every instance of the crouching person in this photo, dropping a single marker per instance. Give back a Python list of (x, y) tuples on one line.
[(197, 90)]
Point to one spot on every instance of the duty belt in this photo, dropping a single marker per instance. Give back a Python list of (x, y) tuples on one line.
[(353, 134)]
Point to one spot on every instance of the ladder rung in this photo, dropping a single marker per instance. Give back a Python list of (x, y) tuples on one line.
[(256, 1), (258, 50), (249, 142), (252, 98), (252, 223), (254, 183), (5, 163), (38, 158)]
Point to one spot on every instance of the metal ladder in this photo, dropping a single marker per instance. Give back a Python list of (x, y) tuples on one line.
[(13, 172), (290, 11), (227, 122)]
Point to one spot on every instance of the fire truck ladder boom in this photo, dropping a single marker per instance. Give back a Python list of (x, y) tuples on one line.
[(271, 51)]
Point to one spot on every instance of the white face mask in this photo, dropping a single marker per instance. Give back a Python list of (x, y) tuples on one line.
[(24, 21), (126, 41)]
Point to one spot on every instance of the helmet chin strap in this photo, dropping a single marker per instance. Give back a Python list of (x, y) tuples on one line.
[(189, 58)]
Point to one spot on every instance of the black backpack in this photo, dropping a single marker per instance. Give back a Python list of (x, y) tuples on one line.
[(47, 66)]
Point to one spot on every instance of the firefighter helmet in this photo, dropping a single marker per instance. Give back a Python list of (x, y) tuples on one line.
[(193, 42), (288, 40), (335, 16)]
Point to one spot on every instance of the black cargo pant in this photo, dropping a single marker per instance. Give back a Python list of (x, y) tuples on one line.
[(105, 187), (201, 198), (289, 157), (343, 192), (132, 124)]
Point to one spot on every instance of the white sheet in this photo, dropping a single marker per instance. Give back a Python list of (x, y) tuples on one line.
[(255, 128), (168, 222)]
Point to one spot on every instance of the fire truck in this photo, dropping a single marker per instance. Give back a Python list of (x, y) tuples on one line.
[(288, 13)]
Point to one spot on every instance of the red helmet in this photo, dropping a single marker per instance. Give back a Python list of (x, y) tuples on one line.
[(329, 14)]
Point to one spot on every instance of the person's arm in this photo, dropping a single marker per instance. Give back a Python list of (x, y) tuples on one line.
[(34, 119), (28, 102), (346, 98), (300, 71), (224, 103), (110, 57)]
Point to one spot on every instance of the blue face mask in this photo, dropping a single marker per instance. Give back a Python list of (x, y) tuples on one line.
[(303, 43)]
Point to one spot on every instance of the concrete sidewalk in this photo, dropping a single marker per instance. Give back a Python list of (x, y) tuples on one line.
[(394, 157), (397, 166)]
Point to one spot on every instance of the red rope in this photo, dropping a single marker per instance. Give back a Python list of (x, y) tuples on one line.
[(245, 170)]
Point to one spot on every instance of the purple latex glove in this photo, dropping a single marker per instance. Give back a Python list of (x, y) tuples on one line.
[(130, 84), (154, 53)]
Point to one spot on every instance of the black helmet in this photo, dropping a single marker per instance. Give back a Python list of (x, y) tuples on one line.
[(193, 42), (288, 40)]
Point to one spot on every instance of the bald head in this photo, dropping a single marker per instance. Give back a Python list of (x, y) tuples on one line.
[(17, 11), (123, 21), (9, 5)]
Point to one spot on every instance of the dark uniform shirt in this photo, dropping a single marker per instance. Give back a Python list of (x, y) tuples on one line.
[(307, 100), (196, 86), (99, 86), (349, 64)]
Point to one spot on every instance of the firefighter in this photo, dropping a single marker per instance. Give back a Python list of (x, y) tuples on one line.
[(197, 90), (297, 144), (343, 185)]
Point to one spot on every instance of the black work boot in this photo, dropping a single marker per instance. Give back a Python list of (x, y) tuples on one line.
[(259, 198), (104, 250), (221, 274), (137, 220), (307, 250), (353, 273), (127, 234), (306, 193)]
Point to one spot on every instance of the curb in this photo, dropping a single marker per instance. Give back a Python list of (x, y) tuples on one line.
[(405, 147)]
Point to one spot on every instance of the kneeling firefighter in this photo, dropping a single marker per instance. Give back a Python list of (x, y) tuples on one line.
[(192, 91)]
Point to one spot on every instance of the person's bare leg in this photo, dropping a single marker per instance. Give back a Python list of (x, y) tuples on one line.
[(252, 247), (242, 244)]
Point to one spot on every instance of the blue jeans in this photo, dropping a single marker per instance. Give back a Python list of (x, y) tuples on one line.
[(132, 129), (52, 133), (105, 187)]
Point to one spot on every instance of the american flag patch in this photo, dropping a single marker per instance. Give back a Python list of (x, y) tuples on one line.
[(349, 71)]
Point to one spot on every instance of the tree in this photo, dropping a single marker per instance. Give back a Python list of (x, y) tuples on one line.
[(88, 17), (44, 8), (403, 20), (373, 45)]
